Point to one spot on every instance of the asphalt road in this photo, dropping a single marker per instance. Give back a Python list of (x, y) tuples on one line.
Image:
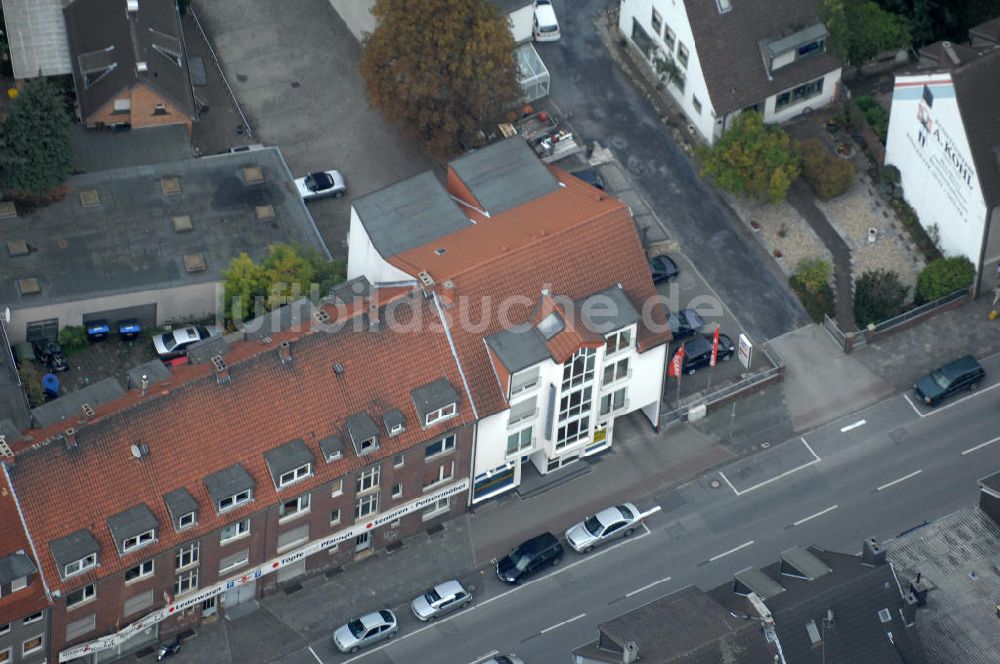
[(878, 472), (603, 105)]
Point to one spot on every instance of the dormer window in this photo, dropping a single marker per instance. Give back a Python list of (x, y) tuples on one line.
[(182, 508), (367, 445), (139, 540), (78, 566), (229, 502), (394, 421), (18, 583), (523, 381), (295, 475), (363, 432), (440, 414), (618, 341), (187, 520)]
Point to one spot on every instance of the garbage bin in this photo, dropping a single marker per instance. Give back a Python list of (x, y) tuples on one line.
[(129, 329), (97, 330)]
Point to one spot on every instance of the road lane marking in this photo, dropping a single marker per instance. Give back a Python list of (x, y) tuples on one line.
[(482, 657), (938, 409), (560, 624), (733, 550), (813, 516), (980, 446), (315, 655), (849, 427), (647, 587), (898, 480), (816, 459)]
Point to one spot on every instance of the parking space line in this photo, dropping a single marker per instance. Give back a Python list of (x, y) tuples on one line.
[(898, 480), (813, 516), (809, 447), (313, 652), (980, 446), (816, 459), (560, 624), (849, 427), (726, 480), (733, 550), (482, 657), (647, 586)]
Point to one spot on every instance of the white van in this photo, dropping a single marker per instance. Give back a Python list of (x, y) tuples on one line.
[(546, 27)]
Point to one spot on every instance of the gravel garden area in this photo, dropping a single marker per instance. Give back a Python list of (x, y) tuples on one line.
[(782, 231)]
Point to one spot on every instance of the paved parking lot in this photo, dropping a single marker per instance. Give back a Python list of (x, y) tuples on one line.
[(293, 67)]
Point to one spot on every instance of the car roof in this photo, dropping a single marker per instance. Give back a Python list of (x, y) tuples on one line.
[(189, 333), (372, 619), (609, 515), (449, 588), (545, 14), (961, 365), (697, 346), (539, 542)]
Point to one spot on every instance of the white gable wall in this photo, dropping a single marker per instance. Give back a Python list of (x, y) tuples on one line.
[(928, 144), (364, 260), (521, 21)]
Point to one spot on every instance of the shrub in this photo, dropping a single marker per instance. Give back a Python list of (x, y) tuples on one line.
[(818, 303), (878, 117), (813, 273), (828, 174), (890, 174), (31, 380), (878, 295), (73, 338), (943, 277), (925, 243)]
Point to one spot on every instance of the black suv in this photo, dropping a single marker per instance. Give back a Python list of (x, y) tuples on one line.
[(961, 374), (698, 352), (529, 557)]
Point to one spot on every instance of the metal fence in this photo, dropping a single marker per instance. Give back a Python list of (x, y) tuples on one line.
[(923, 309)]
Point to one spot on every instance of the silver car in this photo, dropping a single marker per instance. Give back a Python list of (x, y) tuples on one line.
[(618, 521), (441, 599), (366, 630), (503, 659), (321, 184)]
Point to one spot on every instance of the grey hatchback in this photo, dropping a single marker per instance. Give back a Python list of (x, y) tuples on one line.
[(366, 630)]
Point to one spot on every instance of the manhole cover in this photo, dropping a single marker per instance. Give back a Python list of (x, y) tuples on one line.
[(764, 446), (715, 484), (295, 84)]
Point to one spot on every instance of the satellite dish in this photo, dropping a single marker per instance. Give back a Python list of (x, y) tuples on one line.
[(136, 452), (6, 314)]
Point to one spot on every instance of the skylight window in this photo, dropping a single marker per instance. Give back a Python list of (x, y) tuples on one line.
[(551, 325), (724, 6)]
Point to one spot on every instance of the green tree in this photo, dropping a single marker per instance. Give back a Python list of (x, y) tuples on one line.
[(243, 283), (288, 274), (36, 138), (878, 296), (813, 273), (933, 20), (752, 159), (73, 338), (444, 70), (861, 29), (943, 277)]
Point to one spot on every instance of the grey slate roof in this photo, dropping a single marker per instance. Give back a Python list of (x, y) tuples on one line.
[(289, 456), (687, 627), (431, 397), (361, 427), (103, 37), (753, 580), (180, 502), (956, 553), (202, 352), (978, 100), (409, 214), (127, 242), (69, 407), (518, 348), (294, 315), (228, 482), (36, 33), (728, 47), (504, 175), (15, 566), (392, 418), (331, 447), (154, 371), (130, 523), (607, 311), (798, 561), (73, 547)]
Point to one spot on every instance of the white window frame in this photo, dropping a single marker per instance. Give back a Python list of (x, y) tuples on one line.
[(368, 480), (441, 414), (7, 655), (41, 644), (295, 475), (335, 517), (85, 596), (33, 618), (447, 445), (190, 518), (237, 564), (399, 460), (613, 342), (234, 501), (190, 551), (186, 581), (366, 505), (367, 445), (439, 507), (19, 583), (82, 565), (683, 55), (443, 476), (337, 488), (621, 369), (610, 398), (140, 540), (302, 507), (397, 490), (522, 411), (143, 573), (242, 530), (525, 439), (531, 378)]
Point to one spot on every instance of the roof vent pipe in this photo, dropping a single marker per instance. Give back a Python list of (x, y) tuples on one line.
[(285, 352), (144, 384), (132, 6), (630, 653)]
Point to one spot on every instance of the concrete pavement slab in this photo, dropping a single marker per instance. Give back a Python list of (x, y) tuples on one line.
[(769, 466), (260, 638)]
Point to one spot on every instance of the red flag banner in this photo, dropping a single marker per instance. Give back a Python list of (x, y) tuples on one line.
[(715, 346), (676, 364)]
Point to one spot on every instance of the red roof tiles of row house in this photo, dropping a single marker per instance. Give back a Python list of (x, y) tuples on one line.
[(202, 426), (13, 540)]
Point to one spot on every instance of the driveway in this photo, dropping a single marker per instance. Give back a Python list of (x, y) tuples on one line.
[(604, 106), (293, 68)]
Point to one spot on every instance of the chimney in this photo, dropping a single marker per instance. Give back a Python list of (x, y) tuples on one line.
[(70, 437), (630, 653), (132, 6), (221, 369), (871, 553), (919, 587), (909, 609), (144, 384), (374, 321), (88, 411), (285, 352)]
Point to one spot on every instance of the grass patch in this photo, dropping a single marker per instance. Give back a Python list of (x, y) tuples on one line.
[(817, 303)]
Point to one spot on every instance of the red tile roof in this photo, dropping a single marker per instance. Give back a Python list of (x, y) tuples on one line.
[(194, 427), (13, 540)]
